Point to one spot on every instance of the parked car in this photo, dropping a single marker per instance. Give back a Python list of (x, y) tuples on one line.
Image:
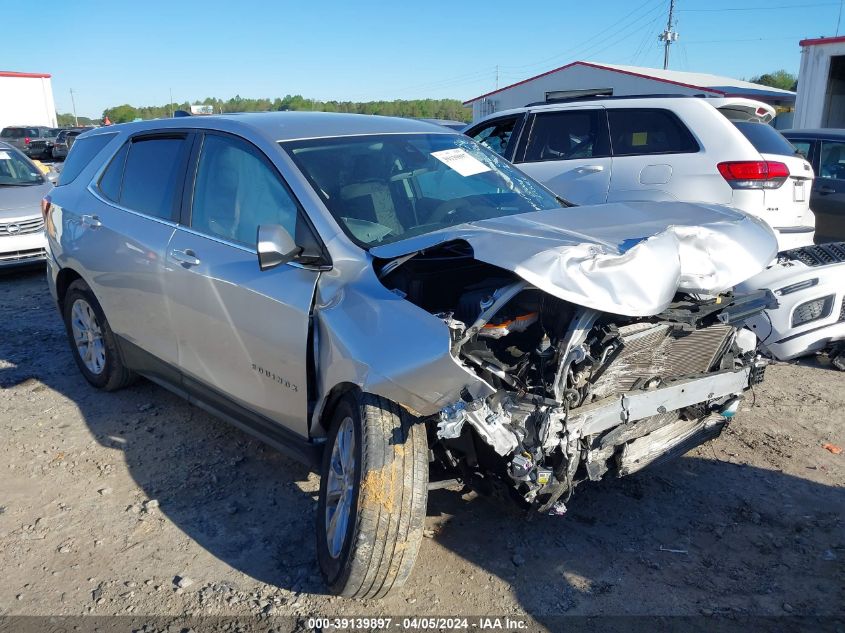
[(373, 294), (20, 136), (825, 149), (64, 141), (22, 187), (663, 147), (42, 147), (810, 316)]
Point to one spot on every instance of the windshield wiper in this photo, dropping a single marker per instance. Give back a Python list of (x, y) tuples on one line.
[(19, 184)]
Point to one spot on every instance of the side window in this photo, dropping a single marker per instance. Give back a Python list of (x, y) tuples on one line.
[(566, 136), (803, 148), (497, 135), (155, 167), (236, 190), (84, 151), (641, 131), (832, 162), (112, 178)]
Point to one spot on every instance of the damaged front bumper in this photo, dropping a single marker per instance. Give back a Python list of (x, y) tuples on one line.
[(547, 447)]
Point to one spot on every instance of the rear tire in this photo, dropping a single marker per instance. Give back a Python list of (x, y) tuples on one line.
[(92, 341), (384, 488)]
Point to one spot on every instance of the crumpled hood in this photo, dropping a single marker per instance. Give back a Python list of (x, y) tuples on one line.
[(624, 258)]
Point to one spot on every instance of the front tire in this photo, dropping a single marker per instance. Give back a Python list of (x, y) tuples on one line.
[(373, 494), (92, 341)]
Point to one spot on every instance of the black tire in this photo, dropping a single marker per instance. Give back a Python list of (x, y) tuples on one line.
[(114, 374), (387, 511)]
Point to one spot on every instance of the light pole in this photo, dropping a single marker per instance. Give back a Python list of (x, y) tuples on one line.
[(73, 102)]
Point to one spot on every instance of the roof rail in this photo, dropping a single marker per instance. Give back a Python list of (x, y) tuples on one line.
[(615, 98)]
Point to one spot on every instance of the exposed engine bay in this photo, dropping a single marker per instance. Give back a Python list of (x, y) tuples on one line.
[(578, 394)]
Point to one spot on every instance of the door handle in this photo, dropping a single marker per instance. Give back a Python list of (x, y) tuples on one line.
[(185, 257), (91, 220), (824, 190), (589, 169)]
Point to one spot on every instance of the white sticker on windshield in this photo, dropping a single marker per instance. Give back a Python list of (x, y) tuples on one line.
[(461, 162), (5, 156)]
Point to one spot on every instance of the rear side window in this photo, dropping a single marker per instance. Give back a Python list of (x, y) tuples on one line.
[(13, 132), (640, 131), (155, 168), (84, 150), (566, 136), (113, 176), (765, 138)]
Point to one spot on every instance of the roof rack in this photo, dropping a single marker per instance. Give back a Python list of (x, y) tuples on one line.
[(593, 97)]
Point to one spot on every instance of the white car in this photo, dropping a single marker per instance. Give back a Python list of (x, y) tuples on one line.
[(664, 147), (810, 317), (22, 187)]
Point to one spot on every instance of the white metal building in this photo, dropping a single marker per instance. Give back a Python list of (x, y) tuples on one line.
[(821, 84), (26, 99), (623, 80)]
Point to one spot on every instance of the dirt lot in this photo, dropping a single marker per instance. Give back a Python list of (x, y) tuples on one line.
[(107, 499)]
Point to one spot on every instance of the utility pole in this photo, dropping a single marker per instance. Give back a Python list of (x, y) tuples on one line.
[(171, 102), (73, 101), (668, 36), (497, 76)]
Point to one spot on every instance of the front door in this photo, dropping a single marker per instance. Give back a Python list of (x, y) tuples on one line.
[(242, 333), (569, 152)]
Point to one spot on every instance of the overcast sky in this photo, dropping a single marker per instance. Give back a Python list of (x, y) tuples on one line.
[(365, 50)]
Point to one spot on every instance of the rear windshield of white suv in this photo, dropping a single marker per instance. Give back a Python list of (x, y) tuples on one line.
[(765, 138)]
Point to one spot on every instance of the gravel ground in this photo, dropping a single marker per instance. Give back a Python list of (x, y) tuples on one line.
[(137, 503)]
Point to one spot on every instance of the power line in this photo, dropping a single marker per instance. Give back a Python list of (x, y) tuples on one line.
[(597, 35), (751, 39), (766, 8)]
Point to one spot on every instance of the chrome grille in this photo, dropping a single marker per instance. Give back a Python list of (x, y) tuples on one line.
[(818, 255), (660, 351), (20, 256), (22, 227)]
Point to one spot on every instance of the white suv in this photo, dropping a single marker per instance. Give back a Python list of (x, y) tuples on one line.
[(662, 147)]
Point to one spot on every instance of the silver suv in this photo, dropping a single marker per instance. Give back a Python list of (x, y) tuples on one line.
[(379, 296)]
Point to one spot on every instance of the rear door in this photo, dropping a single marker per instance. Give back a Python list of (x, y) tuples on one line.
[(655, 157), (568, 151), (242, 333), (129, 221), (828, 194)]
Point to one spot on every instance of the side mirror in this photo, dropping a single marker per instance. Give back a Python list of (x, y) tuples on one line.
[(52, 176), (275, 246)]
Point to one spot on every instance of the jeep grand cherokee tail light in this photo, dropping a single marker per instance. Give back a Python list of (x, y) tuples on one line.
[(754, 174)]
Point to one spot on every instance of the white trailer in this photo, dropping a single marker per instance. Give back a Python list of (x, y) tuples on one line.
[(26, 99), (821, 84)]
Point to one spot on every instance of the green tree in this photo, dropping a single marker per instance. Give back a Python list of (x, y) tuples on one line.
[(777, 79)]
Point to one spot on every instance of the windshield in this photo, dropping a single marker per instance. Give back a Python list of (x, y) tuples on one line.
[(16, 171), (765, 138), (387, 188)]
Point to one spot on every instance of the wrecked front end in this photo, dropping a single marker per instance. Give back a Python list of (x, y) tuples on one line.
[(578, 393), (539, 358)]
